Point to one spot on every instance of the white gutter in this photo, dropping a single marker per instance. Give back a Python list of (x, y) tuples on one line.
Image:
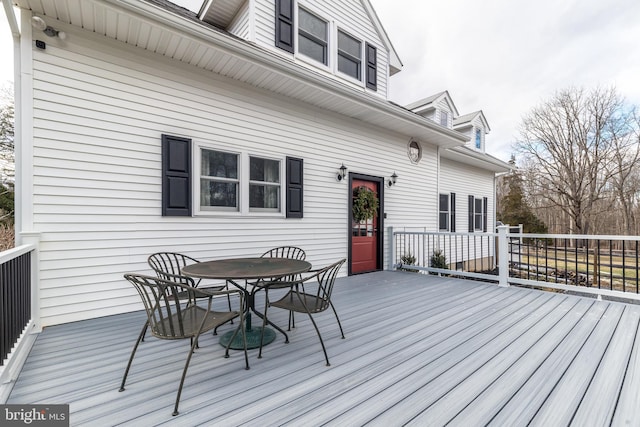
[(276, 63), (11, 17)]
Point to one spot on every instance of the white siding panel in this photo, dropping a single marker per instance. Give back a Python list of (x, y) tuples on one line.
[(465, 180), (240, 26), (98, 118)]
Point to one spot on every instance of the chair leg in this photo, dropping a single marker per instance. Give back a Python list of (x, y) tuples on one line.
[(326, 356), (264, 320), (184, 372), (336, 314), (228, 299), (135, 347)]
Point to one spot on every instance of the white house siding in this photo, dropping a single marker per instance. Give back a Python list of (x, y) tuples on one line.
[(349, 15), (465, 181), (100, 108), (241, 24)]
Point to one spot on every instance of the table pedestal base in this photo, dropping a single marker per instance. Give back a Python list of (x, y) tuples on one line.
[(253, 338)]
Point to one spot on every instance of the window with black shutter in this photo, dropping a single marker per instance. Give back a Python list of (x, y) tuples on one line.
[(284, 25), (372, 67), (176, 176), (295, 177)]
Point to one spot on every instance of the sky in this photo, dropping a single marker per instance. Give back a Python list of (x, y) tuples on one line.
[(503, 57)]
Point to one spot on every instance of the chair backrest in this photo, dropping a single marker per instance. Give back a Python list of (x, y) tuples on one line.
[(167, 266), (326, 278), (290, 252), (166, 312)]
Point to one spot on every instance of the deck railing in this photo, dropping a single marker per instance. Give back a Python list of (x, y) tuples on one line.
[(600, 265), (16, 315)]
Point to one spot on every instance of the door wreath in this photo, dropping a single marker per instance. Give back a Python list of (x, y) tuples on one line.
[(365, 204)]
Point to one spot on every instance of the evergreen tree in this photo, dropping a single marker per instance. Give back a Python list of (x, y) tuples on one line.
[(515, 209)]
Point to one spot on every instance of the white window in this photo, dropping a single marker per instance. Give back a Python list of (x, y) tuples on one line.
[(478, 214), (219, 180), (239, 182), (312, 36), (264, 184), (444, 119), (444, 212), (349, 55)]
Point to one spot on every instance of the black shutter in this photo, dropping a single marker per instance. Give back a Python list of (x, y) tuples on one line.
[(485, 204), (372, 67), (176, 176), (294, 187), (452, 228), (284, 25), (471, 227)]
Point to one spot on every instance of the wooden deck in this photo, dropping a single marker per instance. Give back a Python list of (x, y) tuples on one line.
[(420, 350)]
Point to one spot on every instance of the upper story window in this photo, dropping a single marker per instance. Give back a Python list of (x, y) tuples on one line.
[(302, 32), (444, 118), (312, 36), (349, 55), (478, 138)]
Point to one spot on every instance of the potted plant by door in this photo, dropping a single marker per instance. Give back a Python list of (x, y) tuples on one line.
[(365, 204)]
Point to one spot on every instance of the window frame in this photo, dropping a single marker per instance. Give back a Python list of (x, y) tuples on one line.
[(478, 139), (244, 183), (444, 114), (327, 44), (279, 185), (446, 212), (348, 56)]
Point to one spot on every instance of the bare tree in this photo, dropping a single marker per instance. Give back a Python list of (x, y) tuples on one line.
[(570, 143)]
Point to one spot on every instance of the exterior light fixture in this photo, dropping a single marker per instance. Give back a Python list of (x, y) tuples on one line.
[(39, 24), (342, 173), (393, 179)]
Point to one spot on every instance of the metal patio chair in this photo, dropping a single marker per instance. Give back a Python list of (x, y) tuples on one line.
[(291, 252), (168, 265), (170, 317), (301, 299)]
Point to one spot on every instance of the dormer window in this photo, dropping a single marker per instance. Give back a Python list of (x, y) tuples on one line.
[(478, 138), (312, 36), (349, 55), (444, 119)]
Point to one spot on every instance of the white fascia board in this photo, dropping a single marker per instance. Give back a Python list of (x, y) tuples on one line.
[(482, 160)]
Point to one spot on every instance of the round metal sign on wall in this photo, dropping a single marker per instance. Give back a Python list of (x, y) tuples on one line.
[(414, 151)]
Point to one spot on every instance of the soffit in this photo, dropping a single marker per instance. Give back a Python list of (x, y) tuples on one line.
[(175, 32)]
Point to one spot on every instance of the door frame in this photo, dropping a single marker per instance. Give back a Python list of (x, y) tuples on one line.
[(380, 236)]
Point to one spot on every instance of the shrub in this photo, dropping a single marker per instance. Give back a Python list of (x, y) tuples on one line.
[(438, 260)]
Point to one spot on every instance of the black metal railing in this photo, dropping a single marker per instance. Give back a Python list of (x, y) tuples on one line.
[(599, 262), (15, 301)]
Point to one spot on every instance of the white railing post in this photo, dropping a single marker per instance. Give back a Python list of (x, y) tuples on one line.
[(34, 239), (503, 258), (392, 249)]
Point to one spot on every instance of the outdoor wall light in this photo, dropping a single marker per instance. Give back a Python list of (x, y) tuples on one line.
[(393, 179), (39, 24), (342, 172)]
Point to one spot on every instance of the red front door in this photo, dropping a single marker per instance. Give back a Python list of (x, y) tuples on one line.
[(364, 234)]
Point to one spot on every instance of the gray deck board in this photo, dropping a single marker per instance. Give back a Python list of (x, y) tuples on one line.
[(420, 350)]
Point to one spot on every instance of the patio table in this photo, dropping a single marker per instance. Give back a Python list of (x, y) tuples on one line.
[(248, 269)]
